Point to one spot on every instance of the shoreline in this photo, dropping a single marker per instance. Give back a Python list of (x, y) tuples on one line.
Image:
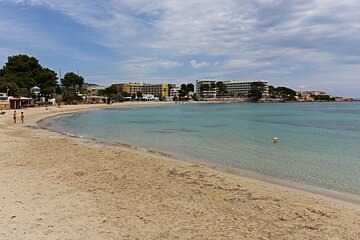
[(125, 193), (351, 199)]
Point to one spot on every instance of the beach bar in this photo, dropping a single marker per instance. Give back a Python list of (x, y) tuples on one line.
[(16, 103)]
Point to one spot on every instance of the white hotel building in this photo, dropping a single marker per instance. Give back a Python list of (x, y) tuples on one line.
[(207, 93), (243, 88), (236, 88)]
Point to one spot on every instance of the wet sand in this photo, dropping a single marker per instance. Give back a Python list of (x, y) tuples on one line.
[(55, 187)]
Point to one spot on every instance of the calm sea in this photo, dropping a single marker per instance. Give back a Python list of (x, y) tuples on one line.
[(319, 142)]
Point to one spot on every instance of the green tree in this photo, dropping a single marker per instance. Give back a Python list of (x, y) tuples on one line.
[(126, 94), (21, 72), (72, 85), (112, 90), (285, 93), (282, 92), (272, 91), (47, 81), (256, 92), (100, 92), (120, 97), (161, 97), (70, 96), (190, 87), (183, 91), (72, 81), (222, 89), (58, 90), (139, 95), (205, 87), (241, 95), (321, 97), (9, 87), (112, 93)]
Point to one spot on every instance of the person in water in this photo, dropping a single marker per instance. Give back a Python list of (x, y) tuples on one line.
[(22, 117), (14, 116)]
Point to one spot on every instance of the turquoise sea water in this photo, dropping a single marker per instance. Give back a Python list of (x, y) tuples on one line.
[(319, 142)]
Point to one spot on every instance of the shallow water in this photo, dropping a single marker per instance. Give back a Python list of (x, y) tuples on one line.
[(319, 142)]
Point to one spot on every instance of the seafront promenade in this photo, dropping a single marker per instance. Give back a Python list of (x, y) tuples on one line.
[(57, 187)]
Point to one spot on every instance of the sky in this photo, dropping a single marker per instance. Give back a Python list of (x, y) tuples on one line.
[(302, 44)]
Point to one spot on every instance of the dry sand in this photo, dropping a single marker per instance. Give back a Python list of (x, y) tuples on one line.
[(55, 187)]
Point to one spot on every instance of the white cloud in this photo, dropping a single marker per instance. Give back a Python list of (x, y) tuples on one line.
[(356, 25), (196, 64), (243, 63), (215, 27), (203, 64), (141, 66)]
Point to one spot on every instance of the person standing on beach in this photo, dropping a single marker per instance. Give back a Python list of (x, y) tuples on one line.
[(14, 116), (22, 117)]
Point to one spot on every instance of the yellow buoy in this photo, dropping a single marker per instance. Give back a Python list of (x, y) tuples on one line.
[(276, 140)]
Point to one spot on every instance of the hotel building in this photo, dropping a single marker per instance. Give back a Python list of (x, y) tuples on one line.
[(204, 90), (175, 92), (157, 90), (315, 93), (243, 88)]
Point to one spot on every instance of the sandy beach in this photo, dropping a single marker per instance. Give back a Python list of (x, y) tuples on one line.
[(58, 187)]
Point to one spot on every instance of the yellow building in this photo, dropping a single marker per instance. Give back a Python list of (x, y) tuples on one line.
[(158, 90)]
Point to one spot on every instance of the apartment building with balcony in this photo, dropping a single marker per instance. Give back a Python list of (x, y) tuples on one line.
[(206, 89), (157, 90)]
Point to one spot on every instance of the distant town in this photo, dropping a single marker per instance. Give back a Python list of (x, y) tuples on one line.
[(205, 90), (25, 83)]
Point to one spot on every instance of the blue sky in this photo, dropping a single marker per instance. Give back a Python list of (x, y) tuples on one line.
[(305, 45)]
